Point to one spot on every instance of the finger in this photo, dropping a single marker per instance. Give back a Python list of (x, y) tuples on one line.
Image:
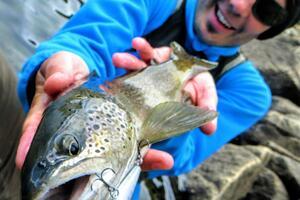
[(157, 160), (127, 61), (39, 103), (210, 127), (206, 91), (26, 140), (59, 62), (57, 82), (147, 52), (205, 97), (191, 91), (162, 54), (61, 71), (202, 92), (144, 48)]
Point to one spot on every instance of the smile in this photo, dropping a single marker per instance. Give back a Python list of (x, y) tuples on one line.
[(222, 19)]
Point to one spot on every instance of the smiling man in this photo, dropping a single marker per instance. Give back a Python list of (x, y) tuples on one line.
[(211, 29), (237, 22)]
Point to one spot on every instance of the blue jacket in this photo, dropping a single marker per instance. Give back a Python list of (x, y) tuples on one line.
[(103, 27)]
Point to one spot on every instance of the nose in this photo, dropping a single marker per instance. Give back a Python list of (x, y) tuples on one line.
[(241, 8)]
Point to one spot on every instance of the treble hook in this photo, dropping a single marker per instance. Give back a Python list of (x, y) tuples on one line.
[(113, 191)]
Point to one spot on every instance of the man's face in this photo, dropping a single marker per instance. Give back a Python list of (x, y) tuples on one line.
[(228, 22)]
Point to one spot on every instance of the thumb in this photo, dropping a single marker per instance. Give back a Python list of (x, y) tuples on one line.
[(61, 71), (33, 118)]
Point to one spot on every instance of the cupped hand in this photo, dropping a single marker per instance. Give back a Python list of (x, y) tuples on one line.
[(201, 89), (57, 74)]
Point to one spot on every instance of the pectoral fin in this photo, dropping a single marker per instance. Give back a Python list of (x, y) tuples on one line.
[(173, 118)]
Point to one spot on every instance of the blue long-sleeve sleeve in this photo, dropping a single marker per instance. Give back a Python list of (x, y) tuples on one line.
[(100, 28), (244, 98)]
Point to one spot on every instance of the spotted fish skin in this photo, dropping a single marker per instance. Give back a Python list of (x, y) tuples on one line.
[(89, 141)]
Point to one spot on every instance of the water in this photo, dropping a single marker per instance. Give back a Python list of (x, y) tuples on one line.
[(25, 23)]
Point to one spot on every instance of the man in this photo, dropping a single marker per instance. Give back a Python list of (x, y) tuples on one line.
[(213, 29)]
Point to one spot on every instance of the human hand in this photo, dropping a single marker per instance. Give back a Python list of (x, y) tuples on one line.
[(203, 93), (57, 74), (201, 89)]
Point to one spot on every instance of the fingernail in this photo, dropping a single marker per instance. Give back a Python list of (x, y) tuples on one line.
[(122, 59), (117, 55)]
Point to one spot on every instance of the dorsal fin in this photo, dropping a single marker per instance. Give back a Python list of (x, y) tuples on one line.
[(185, 61)]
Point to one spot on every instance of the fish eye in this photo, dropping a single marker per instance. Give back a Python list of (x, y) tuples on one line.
[(73, 149), (68, 145)]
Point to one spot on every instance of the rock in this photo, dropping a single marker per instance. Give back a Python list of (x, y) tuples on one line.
[(289, 172), (207, 189), (286, 168), (279, 62), (267, 186), (279, 130), (232, 169), (284, 115), (235, 164)]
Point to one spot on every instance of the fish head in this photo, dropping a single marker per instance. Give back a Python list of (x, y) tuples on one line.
[(73, 151)]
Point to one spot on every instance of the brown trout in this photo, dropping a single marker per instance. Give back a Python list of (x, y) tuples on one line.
[(90, 142)]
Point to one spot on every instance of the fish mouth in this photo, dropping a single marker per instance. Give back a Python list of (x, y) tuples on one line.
[(84, 188), (70, 190)]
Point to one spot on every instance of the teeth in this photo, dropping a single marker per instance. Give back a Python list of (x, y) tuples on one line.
[(222, 19)]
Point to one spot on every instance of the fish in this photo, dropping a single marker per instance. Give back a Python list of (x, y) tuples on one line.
[(91, 141)]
